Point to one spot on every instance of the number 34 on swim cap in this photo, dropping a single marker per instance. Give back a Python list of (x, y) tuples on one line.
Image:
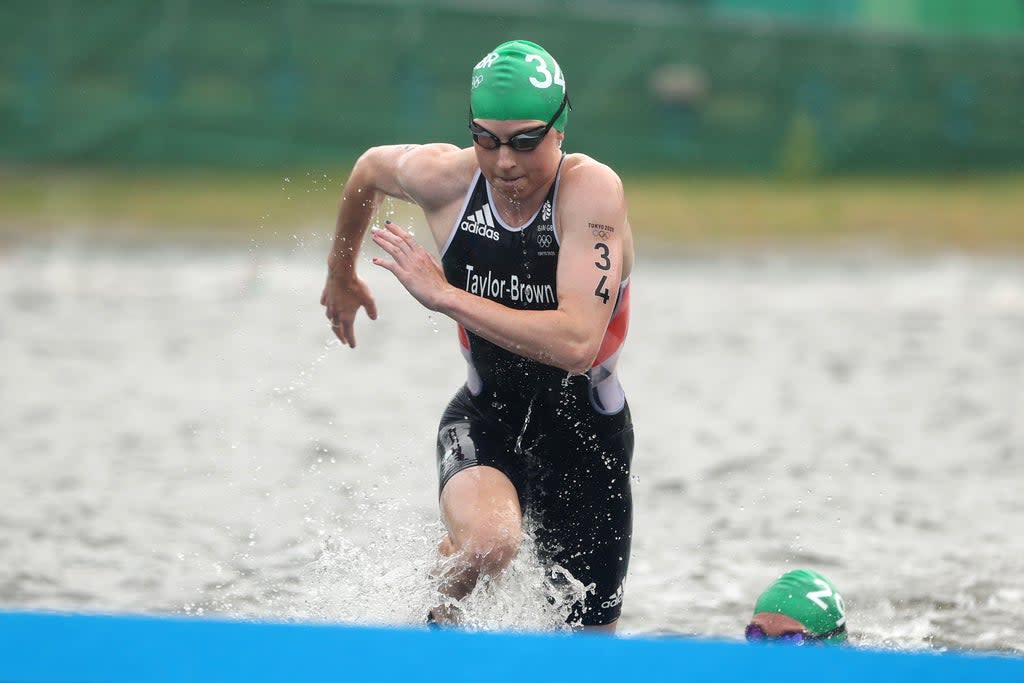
[(518, 80)]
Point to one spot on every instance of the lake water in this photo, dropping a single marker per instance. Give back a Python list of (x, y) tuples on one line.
[(181, 434)]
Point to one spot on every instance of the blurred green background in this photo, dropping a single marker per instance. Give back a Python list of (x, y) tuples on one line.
[(185, 113)]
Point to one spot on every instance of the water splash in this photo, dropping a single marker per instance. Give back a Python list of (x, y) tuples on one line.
[(394, 580), (383, 582), (526, 596)]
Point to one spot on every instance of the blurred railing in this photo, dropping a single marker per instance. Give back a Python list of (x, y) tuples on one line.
[(667, 85)]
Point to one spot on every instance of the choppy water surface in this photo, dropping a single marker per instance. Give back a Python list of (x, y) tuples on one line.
[(181, 434)]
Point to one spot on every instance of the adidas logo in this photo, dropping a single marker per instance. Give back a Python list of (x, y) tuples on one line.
[(481, 223), (613, 600)]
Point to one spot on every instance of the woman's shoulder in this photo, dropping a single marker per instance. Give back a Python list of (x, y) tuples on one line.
[(437, 173), (588, 174)]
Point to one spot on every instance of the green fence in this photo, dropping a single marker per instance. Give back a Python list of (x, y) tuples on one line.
[(653, 84), (950, 17)]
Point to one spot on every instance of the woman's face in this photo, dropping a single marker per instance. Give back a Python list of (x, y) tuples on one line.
[(517, 175), (774, 625)]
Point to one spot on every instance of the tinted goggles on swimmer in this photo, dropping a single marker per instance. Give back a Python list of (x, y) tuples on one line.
[(527, 141), (756, 634)]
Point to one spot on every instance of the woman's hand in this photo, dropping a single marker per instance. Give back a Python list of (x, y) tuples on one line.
[(342, 296), (416, 268)]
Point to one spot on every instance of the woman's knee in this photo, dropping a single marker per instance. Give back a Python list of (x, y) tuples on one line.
[(490, 549), (481, 509)]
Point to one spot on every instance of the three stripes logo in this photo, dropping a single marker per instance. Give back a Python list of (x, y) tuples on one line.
[(481, 223)]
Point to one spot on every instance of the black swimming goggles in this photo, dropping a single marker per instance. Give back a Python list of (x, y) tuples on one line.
[(756, 634), (527, 141)]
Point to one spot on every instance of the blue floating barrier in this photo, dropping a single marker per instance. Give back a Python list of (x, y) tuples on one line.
[(68, 648)]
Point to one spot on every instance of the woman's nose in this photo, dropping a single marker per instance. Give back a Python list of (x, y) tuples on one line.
[(506, 157)]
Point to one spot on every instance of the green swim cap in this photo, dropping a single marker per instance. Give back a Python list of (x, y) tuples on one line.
[(518, 80), (808, 597)]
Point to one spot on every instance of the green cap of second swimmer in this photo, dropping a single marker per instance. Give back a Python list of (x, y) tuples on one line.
[(810, 598), (518, 80)]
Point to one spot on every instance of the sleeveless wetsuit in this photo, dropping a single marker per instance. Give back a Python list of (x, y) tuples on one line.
[(565, 442)]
